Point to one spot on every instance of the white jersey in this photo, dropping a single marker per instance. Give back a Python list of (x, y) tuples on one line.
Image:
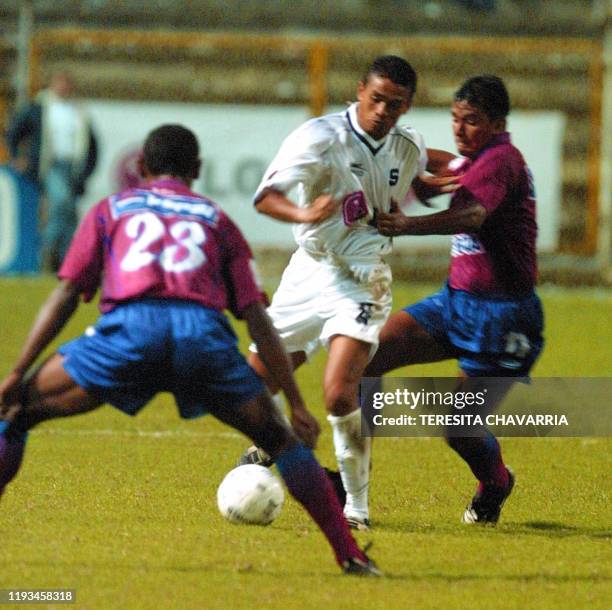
[(332, 154)]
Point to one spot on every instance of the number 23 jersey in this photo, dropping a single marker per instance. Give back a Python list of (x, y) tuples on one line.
[(162, 241)]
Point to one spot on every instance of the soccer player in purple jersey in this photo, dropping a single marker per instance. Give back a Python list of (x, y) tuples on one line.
[(488, 315), (168, 262)]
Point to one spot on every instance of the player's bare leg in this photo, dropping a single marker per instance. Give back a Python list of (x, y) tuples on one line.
[(303, 476), (255, 454), (48, 394), (345, 365), (403, 342), (297, 359)]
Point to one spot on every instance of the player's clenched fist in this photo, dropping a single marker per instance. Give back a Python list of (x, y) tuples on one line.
[(392, 223), (321, 209)]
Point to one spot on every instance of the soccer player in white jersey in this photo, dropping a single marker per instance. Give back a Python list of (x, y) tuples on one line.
[(330, 178)]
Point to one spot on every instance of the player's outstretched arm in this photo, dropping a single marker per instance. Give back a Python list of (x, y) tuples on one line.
[(426, 186), (440, 178), (52, 317), (276, 205), (460, 219), (274, 356), (438, 160)]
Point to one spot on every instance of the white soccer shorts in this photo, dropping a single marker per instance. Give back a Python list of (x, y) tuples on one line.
[(316, 300)]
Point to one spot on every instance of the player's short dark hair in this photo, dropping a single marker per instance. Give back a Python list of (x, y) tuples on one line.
[(171, 149), (486, 92), (396, 69)]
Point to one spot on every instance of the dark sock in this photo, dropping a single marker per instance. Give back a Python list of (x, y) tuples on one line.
[(483, 456), (12, 444), (309, 485)]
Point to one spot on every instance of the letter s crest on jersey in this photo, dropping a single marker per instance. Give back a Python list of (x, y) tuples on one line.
[(354, 207)]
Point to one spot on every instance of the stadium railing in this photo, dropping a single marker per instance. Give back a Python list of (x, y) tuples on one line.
[(321, 71)]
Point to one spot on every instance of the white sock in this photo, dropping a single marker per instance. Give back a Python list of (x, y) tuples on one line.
[(353, 456)]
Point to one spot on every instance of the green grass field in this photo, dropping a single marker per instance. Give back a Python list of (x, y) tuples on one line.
[(124, 510)]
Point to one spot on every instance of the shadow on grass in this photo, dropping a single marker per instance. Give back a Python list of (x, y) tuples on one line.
[(553, 528), (549, 529)]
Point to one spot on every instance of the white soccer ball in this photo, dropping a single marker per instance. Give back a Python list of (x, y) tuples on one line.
[(250, 494)]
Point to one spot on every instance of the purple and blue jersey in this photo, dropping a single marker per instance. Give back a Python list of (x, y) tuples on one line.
[(501, 258), (488, 314), (164, 242), (168, 262)]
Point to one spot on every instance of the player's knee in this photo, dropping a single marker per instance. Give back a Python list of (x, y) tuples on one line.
[(39, 405), (264, 424), (26, 414), (274, 439), (339, 398), (23, 418)]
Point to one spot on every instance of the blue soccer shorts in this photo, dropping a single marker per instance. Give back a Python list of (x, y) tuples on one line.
[(144, 347), (492, 336)]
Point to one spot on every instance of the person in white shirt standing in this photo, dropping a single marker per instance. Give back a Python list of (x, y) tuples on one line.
[(61, 155), (330, 178)]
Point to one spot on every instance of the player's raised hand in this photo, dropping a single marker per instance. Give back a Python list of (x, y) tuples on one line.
[(305, 426), (321, 209)]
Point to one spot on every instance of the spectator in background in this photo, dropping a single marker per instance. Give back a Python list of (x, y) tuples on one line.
[(52, 142)]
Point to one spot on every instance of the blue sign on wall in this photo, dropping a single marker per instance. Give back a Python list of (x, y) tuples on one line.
[(19, 235)]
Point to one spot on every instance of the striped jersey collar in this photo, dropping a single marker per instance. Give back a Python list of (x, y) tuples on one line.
[(373, 145)]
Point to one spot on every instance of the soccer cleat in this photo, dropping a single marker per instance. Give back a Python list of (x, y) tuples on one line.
[(486, 505), (336, 481), (355, 523), (257, 456), (358, 567)]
